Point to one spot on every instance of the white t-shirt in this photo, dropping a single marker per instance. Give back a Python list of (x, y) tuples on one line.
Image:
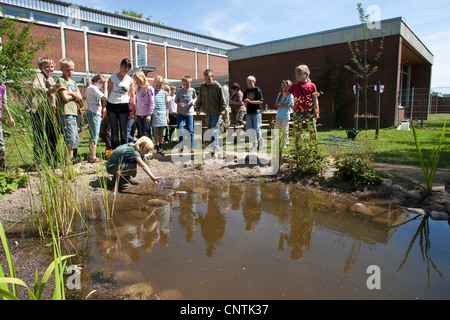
[(120, 89), (93, 99)]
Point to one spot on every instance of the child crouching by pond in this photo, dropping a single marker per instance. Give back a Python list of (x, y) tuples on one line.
[(125, 158)]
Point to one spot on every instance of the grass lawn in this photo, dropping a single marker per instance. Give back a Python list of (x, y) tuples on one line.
[(392, 146)]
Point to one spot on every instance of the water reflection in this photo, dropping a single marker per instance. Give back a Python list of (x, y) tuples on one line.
[(197, 232)]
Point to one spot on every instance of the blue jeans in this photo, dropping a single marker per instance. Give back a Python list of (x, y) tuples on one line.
[(213, 123), (70, 127), (130, 123), (189, 122), (94, 121), (254, 121)]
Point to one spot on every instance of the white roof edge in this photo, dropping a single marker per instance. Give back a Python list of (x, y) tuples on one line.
[(395, 26)]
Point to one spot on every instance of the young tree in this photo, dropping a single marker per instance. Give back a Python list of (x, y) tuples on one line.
[(17, 50), (364, 66)]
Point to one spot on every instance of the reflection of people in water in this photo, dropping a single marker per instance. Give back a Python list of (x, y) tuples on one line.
[(212, 224), (301, 230), (251, 207), (188, 216), (237, 192)]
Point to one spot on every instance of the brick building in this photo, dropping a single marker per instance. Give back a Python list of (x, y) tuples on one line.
[(97, 41), (405, 63)]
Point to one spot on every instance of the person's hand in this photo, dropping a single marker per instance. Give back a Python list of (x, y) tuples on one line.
[(156, 180), (11, 121), (147, 118)]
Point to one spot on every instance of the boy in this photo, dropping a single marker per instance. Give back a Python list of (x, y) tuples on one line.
[(185, 99), (253, 101), (43, 111), (212, 99), (68, 94)]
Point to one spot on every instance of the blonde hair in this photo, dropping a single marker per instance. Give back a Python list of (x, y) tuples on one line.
[(159, 79), (143, 145), (141, 80), (99, 78), (66, 62), (303, 68), (43, 60), (187, 78), (251, 78)]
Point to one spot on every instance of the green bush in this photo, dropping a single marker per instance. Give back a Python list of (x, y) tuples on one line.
[(11, 180), (358, 170)]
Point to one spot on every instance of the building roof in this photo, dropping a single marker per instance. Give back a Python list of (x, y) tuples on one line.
[(389, 27), (73, 10)]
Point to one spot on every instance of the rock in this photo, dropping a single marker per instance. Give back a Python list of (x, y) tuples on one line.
[(415, 194), (397, 187), (127, 276), (156, 202), (386, 182), (140, 290), (438, 188), (171, 294), (439, 215), (416, 211), (361, 208)]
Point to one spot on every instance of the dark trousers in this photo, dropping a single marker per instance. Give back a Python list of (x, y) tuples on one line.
[(118, 119)]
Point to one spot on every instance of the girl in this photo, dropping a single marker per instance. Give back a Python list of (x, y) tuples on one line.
[(284, 105), (160, 117), (305, 93), (95, 99), (124, 160), (145, 103)]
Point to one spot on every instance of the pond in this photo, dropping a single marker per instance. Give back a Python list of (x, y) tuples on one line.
[(201, 240)]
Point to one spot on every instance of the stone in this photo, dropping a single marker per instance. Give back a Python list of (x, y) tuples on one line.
[(397, 187), (386, 182), (171, 294), (439, 215), (415, 194), (139, 290), (361, 208), (438, 188)]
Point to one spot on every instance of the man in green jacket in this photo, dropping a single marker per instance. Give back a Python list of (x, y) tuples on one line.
[(211, 99)]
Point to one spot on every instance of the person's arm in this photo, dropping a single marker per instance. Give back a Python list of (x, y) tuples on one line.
[(167, 109), (133, 96), (5, 107), (147, 170), (316, 104)]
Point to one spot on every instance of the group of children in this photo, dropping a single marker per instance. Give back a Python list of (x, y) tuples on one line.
[(151, 105)]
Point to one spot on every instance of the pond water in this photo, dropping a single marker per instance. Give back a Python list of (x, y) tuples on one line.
[(199, 240)]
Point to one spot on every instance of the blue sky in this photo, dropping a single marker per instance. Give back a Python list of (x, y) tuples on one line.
[(255, 21)]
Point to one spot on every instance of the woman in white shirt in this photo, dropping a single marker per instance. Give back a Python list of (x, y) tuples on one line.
[(120, 94)]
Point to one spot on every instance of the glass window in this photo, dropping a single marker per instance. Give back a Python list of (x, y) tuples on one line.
[(45, 18), (97, 28), (118, 32), (156, 39), (16, 12)]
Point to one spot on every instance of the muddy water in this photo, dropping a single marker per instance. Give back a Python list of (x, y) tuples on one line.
[(196, 240)]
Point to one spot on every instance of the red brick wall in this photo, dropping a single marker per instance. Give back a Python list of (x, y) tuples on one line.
[(105, 53), (53, 49), (180, 63), (218, 65), (272, 69), (75, 49), (157, 51)]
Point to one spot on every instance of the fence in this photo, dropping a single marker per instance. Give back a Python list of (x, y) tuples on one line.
[(419, 103)]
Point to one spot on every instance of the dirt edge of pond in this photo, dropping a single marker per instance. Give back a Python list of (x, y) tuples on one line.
[(16, 207)]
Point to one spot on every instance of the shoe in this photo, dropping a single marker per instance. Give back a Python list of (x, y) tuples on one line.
[(93, 160), (213, 154), (161, 152), (76, 160), (130, 180)]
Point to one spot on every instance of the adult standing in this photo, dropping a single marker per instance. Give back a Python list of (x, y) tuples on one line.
[(121, 93)]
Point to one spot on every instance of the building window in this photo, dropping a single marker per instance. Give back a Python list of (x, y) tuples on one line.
[(97, 28), (141, 54), (41, 17), (16, 12), (118, 32), (405, 83)]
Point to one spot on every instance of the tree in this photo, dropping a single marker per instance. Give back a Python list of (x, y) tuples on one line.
[(364, 66), (18, 49), (135, 14)]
